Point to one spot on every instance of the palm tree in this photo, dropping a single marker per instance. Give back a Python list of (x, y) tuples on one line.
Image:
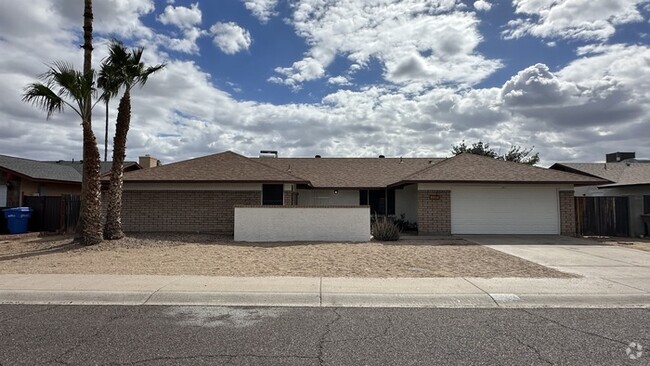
[(62, 87), (109, 83), (127, 70)]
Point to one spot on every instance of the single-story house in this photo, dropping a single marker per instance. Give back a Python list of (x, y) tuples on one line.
[(25, 177), (627, 176), (465, 194)]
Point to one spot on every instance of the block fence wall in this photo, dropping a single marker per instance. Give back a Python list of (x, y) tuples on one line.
[(189, 211), (434, 212), (567, 213)]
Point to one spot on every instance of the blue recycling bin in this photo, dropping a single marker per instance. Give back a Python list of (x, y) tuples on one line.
[(17, 219)]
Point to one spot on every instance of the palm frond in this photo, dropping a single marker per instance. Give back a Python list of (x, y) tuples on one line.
[(44, 98), (62, 86)]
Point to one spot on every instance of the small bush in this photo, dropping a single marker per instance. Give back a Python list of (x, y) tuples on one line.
[(404, 225), (384, 229)]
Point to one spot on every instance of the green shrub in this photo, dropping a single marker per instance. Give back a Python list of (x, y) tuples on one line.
[(384, 229), (404, 225)]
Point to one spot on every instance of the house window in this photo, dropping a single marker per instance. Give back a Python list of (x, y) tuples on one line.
[(272, 194), (381, 201)]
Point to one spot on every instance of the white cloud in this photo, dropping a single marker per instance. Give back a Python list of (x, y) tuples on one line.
[(181, 16), (230, 37), (391, 32), (599, 102), (187, 20), (262, 9), (572, 19), (339, 80), (536, 86), (482, 5)]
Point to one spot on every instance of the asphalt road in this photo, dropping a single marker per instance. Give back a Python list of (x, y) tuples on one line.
[(172, 335)]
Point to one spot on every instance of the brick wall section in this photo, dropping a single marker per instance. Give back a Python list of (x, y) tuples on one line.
[(567, 214), (188, 211), (434, 212), (290, 198)]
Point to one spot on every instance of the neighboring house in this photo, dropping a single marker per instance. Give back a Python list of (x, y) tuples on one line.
[(24, 177), (465, 194), (628, 176)]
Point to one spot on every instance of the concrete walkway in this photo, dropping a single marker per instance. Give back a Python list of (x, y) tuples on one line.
[(315, 292)]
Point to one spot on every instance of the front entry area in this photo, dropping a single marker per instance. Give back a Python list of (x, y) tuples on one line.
[(504, 210)]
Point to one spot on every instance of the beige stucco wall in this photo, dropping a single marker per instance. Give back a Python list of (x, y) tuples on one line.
[(265, 224)]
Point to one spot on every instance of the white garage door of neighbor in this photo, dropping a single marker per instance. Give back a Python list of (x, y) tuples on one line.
[(507, 210)]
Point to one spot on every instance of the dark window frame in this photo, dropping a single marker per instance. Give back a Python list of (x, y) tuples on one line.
[(272, 194)]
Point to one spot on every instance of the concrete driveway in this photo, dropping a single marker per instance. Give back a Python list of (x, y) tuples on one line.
[(584, 257)]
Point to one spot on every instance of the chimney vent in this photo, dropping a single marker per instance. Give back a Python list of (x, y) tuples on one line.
[(618, 156), (268, 153)]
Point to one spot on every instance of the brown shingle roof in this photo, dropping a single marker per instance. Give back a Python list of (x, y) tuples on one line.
[(351, 172), (223, 167), (472, 168), (621, 173)]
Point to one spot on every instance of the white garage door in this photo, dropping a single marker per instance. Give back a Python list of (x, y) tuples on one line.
[(508, 210)]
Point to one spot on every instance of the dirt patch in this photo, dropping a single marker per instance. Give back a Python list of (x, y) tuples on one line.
[(175, 254), (633, 243)]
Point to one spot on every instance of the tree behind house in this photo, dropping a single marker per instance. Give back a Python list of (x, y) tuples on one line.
[(516, 153)]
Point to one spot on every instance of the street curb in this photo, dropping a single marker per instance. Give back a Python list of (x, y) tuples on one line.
[(484, 301)]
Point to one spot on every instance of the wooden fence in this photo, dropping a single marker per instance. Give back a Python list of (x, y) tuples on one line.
[(53, 213), (602, 216)]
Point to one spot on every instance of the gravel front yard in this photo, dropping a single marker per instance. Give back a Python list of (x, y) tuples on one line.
[(174, 254)]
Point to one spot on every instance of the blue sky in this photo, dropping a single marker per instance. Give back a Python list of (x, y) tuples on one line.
[(570, 78)]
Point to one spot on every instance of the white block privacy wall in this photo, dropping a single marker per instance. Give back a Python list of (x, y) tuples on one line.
[(264, 224)]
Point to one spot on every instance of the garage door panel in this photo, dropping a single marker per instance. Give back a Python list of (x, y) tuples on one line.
[(509, 210)]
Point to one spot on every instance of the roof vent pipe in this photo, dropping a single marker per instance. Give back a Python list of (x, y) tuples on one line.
[(381, 156)]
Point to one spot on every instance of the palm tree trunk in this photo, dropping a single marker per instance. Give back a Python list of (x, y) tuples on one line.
[(106, 135), (88, 35), (90, 226), (90, 215), (113, 228)]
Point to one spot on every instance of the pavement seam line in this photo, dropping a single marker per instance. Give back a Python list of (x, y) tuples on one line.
[(485, 292), (626, 285), (161, 287), (599, 256)]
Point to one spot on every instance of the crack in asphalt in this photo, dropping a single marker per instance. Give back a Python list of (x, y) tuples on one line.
[(586, 332), (230, 358), (84, 340), (25, 316), (529, 346), (384, 333), (328, 331)]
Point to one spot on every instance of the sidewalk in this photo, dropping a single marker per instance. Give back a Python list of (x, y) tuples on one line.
[(319, 292)]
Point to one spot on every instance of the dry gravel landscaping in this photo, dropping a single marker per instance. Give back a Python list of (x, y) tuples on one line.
[(194, 254)]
